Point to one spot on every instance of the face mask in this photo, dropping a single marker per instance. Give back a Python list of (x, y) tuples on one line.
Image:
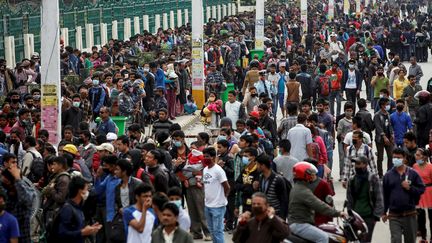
[(85, 195), (360, 171), (210, 49), (387, 107), (2, 207), (13, 141), (418, 161), (177, 203), (222, 138), (76, 104), (95, 82), (257, 210), (380, 74), (348, 113), (400, 108), (206, 162), (351, 66), (178, 144), (254, 95), (355, 141), (245, 160), (397, 162), (381, 96), (106, 170), (146, 70), (15, 101)]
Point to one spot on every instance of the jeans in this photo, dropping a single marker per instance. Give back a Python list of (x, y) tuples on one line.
[(309, 232), (330, 158), (215, 222), (370, 222), (335, 95), (351, 95), (403, 225), (280, 100), (389, 152)]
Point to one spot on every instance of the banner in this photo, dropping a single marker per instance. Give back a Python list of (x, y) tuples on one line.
[(197, 53), (303, 14), (358, 7), (259, 25), (330, 15)]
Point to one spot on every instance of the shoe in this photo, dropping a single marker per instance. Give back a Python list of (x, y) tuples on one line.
[(197, 237), (207, 238)]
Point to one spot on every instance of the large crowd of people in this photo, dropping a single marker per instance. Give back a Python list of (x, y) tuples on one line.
[(260, 174)]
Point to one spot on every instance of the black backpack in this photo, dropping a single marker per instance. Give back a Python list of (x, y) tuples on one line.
[(53, 236), (37, 169)]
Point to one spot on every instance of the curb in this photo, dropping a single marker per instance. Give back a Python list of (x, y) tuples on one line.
[(193, 119)]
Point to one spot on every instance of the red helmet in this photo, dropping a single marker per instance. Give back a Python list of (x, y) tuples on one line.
[(304, 170), (423, 97)]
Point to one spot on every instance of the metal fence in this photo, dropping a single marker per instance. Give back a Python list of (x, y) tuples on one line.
[(23, 17)]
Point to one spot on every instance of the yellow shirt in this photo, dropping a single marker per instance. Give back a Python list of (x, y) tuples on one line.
[(398, 87)]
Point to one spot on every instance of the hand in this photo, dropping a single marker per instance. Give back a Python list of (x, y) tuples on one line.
[(386, 141), (271, 212), (236, 212), (384, 218), (221, 163), (344, 184), (91, 230), (15, 171), (406, 185), (99, 172), (244, 217), (343, 215), (147, 203), (255, 185)]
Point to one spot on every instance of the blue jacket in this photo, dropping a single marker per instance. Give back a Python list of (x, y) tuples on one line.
[(107, 126), (160, 78), (108, 186), (97, 98), (396, 198), (71, 222), (401, 123)]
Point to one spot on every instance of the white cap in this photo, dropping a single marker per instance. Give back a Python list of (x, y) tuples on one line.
[(111, 136), (106, 146)]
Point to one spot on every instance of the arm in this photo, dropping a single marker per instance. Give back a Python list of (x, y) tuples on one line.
[(66, 221), (101, 100), (61, 189), (280, 230), (226, 188), (139, 225), (417, 187), (386, 194), (379, 200), (283, 196), (378, 126), (24, 193), (27, 160)]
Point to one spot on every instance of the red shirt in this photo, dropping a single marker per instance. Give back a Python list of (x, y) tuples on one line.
[(321, 191)]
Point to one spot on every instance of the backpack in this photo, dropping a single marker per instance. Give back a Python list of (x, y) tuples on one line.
[(335, 84), (267, 145), (173, 181), (421, 41), (37, 169), (53, 236), (324, 84), (316, 152)]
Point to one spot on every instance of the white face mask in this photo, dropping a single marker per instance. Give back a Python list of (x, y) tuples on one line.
[(85, 195)]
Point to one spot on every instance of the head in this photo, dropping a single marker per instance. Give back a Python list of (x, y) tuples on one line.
[(348, 109), (253, 91), (263, 110), (209, 154), (259, 204), (284, 146), (142, 193), (231, 96), (175, 195), (178, 138), (170, 213), (222, 146), (302, 118), (304, 171), (401, 73), (29, 142), (320, 105), (398, 157), (361, 164), (109, 164), (163, 114), (383, 102), (245, 141), (122, 144), (78, 188), (421, 156), (412, 80), (134, 131), (413, 60), (409, 140), (241, 125), (85, 137), (249, 155), (59, 164), (123, 168), (153, 158), (264, 163), (104, 113)]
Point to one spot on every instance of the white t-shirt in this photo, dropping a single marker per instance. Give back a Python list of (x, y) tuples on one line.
[(213, 189), (133, 235), (348, 138), (351, 82)]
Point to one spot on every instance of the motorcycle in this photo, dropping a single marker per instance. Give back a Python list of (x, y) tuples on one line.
[(352, 229)]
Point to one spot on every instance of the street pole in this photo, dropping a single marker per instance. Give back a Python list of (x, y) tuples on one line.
[(198, 91), (304, 14), (259, 25), (50, 70)]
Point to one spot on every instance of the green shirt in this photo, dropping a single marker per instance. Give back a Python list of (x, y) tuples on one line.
[(361, 202), (381, 83)]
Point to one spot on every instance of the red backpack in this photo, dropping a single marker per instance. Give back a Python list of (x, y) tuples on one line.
[(324, 84), (316, 152)]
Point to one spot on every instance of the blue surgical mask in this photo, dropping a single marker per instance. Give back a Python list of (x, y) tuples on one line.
[(178, 144), (245, 160), (387, 107), (95, 82), (420, 161), (221, 137), (177, 203), (397, 162)]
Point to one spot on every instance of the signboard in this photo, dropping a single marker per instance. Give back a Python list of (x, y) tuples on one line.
[(346, 6), (331, 10), (303, 14), (259, 25), (50, 110)]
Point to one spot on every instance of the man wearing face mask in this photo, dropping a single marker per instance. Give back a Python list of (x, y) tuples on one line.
[(74, 115), (16, 101), (23, 125), (107, 186), (264, 226), (175, 196), (364, 194), (97, 97), (401, 122), (352, 82), (379, 82), (71, 226), (384, 135), (248, 180), (125, 101), (402, 188)]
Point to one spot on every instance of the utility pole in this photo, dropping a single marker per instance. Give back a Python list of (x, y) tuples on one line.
[(50, 70)]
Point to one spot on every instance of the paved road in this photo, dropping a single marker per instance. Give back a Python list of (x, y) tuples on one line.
[(381, 232)]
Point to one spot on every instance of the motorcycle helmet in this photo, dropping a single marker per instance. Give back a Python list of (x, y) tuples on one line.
[(423, 97), (303, 171)]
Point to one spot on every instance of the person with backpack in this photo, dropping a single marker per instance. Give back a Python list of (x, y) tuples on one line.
[(364, 195), (319, 150), (70, 222), (274, 186), (32, 166), (358, 148), (323, 83), (335, 75), (97, 97), (55, 193)]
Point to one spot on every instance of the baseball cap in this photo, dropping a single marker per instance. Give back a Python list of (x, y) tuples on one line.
[(106, 146), (111, 136)]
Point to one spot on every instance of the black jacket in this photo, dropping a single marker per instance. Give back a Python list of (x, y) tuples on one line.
[(276, 192), (359, 79), (133, 183), (159, 179)]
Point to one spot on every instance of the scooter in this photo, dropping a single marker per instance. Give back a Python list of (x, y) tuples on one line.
[(353, 228)]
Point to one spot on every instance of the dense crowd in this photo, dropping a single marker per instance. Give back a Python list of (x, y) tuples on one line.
[(260, 174)]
